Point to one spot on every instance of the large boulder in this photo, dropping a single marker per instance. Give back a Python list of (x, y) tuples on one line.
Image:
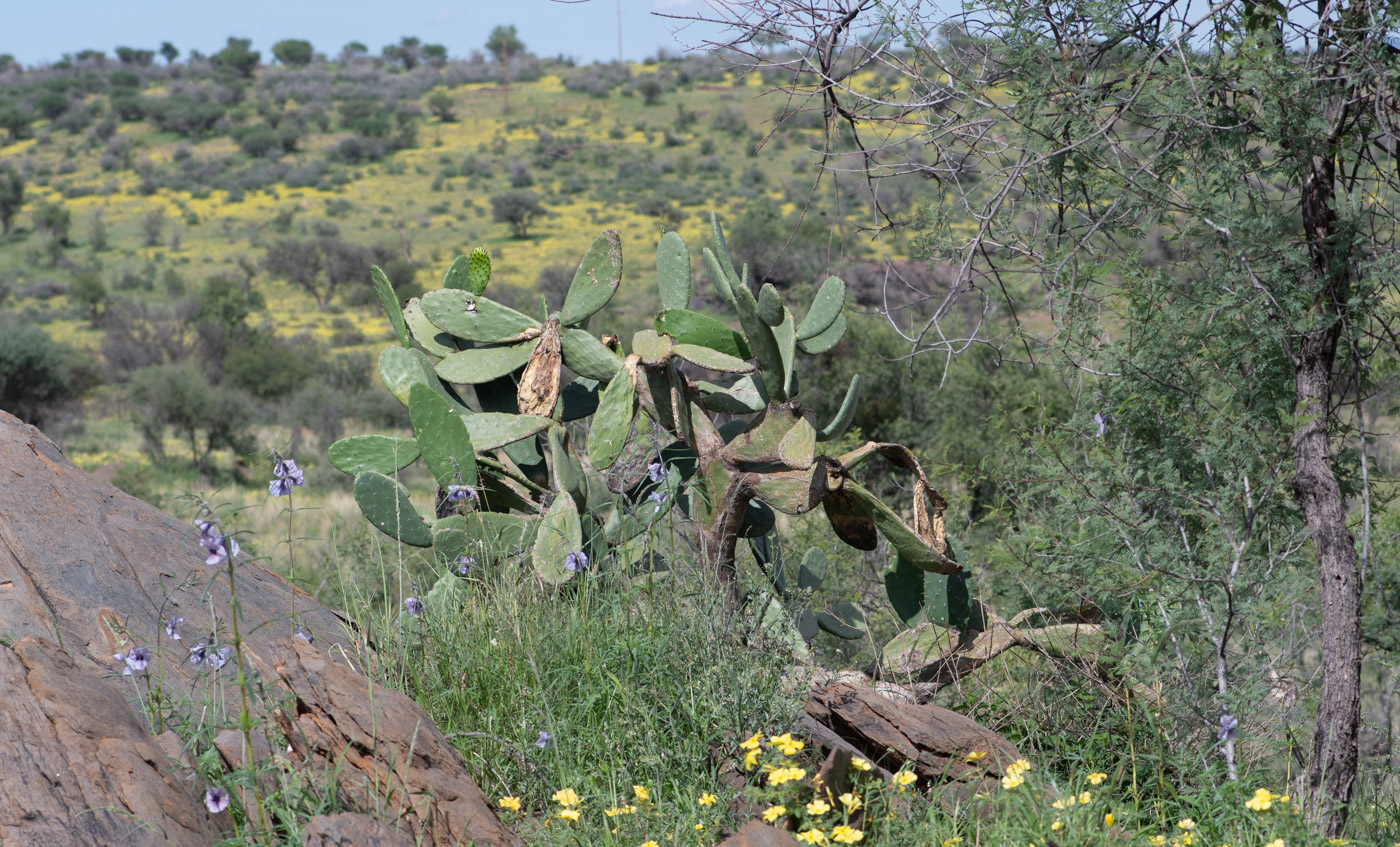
[(87, 567)]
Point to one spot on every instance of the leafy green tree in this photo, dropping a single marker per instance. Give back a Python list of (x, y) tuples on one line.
[(238, 58), (37, 374), (434, 54), (134, 57), (519, 207), (182, 397), (170, 52), (442, 106), (405, 53), (353, 50), (293, 52), (504, 42), (88, 291), (53, 220), (11, 196), (1226, 384), (14, 119)]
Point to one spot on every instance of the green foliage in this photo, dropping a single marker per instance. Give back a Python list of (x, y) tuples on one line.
[(11, 196), (180, 396), (519, 207), (503, 42), (237, 59), (38, 376), (293, 52)]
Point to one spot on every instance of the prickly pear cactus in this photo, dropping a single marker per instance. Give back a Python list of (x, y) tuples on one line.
[(514, 462)]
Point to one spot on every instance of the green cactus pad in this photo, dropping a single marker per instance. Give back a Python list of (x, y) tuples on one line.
[(378, 453), (443, 437), (799, 447), (595, 281), (503, 534), (826, 307), (762, 441), (688, 327), (844, 415), (743, 397), (722, 251), (428, 336), (385, 503), (711, 359), (559, 535), (613, 421), (806, 624), (565, 470), (818, 344), (770, 305), (587, 356), (920, 554), (401, 369), (718, 277), (449, 542), (654, 349), (759, 520), (812, 570), (913, 649), (790, 492), (490, 430), (578, 400), (475, 318), (904, 585), (764, 344), (483, 364), (673, 272), (384, 289), (845, 621), (478, 270), (785, 334)]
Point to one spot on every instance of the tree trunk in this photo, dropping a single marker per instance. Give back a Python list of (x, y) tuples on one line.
[(1332, 771)]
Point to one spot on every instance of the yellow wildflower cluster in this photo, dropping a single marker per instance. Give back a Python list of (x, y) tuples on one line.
[(1262, 801), (614, 811), (904, 779), (778, 776), (812, 836), (844, 834), (510, 804), (772, 813), (707, 799), (818, 807), (1096, 778), (861, 764), (786, 744), (569, 802), (850, 801), (643, 796), (1015, 774)]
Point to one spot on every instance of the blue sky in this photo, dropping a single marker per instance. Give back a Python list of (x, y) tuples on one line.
[(43, 31)]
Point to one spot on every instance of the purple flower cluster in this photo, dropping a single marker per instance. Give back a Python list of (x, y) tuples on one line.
[(172, 627), (136, 659), (460, 493), (656, 472), (1229, 727), (544, 740), (201, 653), (413, 606), (286, 475), (464, 564), (576, 562), (219, 546)]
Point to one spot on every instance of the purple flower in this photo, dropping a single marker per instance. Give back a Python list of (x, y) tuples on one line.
[(303, 634), (576, 562), (1102, 422), (1229, 727), (198, 653), (219, 659), (287, 475), (136, 659), (464, 564), (171, 627), (413, 606), (459, 493), (216, 800), (544, 740), (218, 546), (656, 472), (657, 497)]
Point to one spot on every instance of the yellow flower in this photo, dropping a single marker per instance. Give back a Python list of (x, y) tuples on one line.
[(778, 776), (1085, 797), (861, 764), (643, 796), (1282, 798), (786, 744), (818, 807), (511, 803), (850, 801), (1157, 840), (620, 810), (975, 756), (707, 799), (751, 759), (1186, 824), (1338, 842), (812, 836), (785, 738), (1011, 781), (569, 814), (1096, 778), (846, 835), (752, 742), (952, 842), (905, 778), (1057, 825), (1186, 839), (565, 797), (1277, 842), (772, 813), (650, 844), (1108, 819), (1262, 801), (699, 826)]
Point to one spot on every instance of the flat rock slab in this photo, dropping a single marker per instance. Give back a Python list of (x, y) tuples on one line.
[(351, 830), (80, 767), (84, 565), (934, 741), (760, 834)]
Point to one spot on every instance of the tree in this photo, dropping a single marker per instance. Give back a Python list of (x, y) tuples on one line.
[(14, 119), (434, 54), (237, 58), (503, 42), (405, 52), (38, 374), (1247, 134), (519, 208), (181, 396), (170, 52), (11, 196), (441, 105), (293, 52), (353, 50), (133, 56)]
